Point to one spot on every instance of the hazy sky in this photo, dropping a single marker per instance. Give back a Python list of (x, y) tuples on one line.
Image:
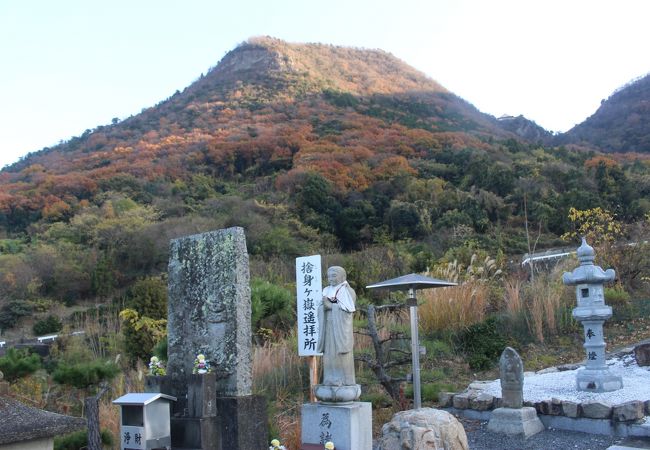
[(70, 65)]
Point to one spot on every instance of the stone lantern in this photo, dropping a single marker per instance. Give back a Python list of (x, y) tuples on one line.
[(592, 313)]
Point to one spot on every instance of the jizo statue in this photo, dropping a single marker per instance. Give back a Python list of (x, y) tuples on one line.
[(336, 340)]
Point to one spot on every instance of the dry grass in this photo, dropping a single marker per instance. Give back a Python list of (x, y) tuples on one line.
[(277, 367), (512, 296), (543, 301), (454, 308)]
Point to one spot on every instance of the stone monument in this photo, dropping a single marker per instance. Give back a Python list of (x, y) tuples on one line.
[(338, 417), (209, 314), (592, 312), (512, 417)]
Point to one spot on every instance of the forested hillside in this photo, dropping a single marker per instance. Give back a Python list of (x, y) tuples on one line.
[(621, 122), (311, 148)]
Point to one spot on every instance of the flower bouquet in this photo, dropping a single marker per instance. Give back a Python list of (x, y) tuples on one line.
[(275, 445), (156, 367), (201, 365)]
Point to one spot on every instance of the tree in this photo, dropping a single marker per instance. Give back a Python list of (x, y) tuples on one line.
[(384, 358), (19, 363), (145, 318)]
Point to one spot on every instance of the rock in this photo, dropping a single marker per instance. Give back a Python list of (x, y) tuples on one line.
[(482, 402), (461, 401), (549, 407), (570, 409), (642, 354), (547, 370), (596, 410), (423, 429), (478, 385), (628, 411), (647, 407), (446, 399)]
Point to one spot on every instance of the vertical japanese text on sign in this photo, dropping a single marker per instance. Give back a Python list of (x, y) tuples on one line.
[(309, 296)]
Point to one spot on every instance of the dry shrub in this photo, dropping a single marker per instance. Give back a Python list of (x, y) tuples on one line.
[(102, 332), (288, 422), (109, 416)]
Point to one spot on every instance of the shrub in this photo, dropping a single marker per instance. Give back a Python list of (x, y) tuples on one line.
[(430, 391), (85, 374), (145, 318), (272, 306), (616, 295), (51, 324), (79, 440), (18, 363), (12, 312), (483, 343)]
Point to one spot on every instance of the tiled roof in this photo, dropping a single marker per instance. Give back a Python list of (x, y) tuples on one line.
[(19, 422)]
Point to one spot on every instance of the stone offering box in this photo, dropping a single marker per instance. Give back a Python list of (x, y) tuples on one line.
[(145, 421)]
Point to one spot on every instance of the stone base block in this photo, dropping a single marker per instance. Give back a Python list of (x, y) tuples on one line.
[(194, 432), (348, 426), (522, 421), (597, 381), (242, 423)]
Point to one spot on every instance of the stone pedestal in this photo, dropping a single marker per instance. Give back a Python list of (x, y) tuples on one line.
[(242, 423), (598, 380), (511, 421), (194, 417), (337, 394), (348, 426)]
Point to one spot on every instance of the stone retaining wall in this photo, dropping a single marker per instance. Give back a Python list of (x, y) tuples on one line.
[(474, 399)]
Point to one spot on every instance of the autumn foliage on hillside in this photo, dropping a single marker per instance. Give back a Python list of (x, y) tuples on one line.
[(308, 147)]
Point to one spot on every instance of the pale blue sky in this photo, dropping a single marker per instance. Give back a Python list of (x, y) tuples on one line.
[(69, 65)]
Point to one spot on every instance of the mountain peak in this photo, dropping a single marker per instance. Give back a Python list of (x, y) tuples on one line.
[(317, 66)]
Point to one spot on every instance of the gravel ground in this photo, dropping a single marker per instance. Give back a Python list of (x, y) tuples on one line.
[(561, 384), (479, 438)]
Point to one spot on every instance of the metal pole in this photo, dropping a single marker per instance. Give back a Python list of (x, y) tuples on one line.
[(415, 349)]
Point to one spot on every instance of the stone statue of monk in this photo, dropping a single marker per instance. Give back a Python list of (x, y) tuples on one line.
[(336, 340)]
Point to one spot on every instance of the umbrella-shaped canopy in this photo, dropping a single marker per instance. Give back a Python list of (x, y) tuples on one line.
[(411, 281)]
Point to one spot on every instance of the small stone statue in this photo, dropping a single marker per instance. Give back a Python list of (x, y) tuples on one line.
[(511, 371), (513, 418), (336, 340)]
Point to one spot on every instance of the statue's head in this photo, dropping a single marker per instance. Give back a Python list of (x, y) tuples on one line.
[(336, 275)]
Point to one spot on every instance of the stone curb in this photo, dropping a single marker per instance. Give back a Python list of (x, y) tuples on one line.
[(474, 399)]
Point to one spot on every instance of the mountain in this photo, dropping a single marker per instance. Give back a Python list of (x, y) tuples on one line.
[(526, 129), (311, 148), (621, 122), (351, 143), (268, 107)]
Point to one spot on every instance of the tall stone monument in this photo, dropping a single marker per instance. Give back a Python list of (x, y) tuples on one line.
[(592, 312), (513, 418), (338, 417), (209, 313)]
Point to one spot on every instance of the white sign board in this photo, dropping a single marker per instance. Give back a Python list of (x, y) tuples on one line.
[(309, 286), (132, 438)]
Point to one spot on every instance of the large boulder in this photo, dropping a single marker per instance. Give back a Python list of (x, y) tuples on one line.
[(423, 429)]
